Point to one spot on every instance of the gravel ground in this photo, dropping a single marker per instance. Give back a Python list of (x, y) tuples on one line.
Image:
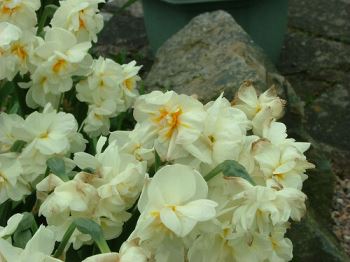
[(341, 213)]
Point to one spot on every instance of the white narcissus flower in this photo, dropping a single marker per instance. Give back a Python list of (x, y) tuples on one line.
[(38, 248), (105, 257), (119, 176), (57, 59), (12, 185), (128, 89), (8, 34), (109, 89), (251, 104), (8, 122), (109, 185), (138, 142), (103, 83), (210, 247), (282, 248), (246, 157), (81, 17), (129, 252), (98, 117), (276, 133), (250, 246), (260, 207), (67, 201), (259, 109), (223, 134), (282, 166), (176, 200), (16, 47), (69, 197), (47, 134), (178, 120), (49, 131), (19, 12)]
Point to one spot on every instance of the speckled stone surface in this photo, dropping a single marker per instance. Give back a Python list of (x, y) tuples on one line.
[(213, 54), (316, 60)]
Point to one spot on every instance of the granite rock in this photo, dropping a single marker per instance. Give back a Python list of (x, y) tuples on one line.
[(329, 18), (213, 54), (329, 119)]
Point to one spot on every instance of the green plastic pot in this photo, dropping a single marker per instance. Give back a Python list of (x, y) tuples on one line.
[(264, 20)]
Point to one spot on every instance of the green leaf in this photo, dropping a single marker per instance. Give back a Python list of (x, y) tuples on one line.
[(21, 238), (48, 12), (87, 226), (5, 209), (57, 166), (65, 240), (14, 108), (25, 230), (26, 222), (18, 146), (7, 89), (230, 168), (157, 161)]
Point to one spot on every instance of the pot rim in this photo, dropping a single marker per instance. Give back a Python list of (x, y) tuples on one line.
[(184, 2)]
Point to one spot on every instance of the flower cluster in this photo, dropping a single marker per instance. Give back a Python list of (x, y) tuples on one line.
[(109, 89), (59, 54), (104, 193), (38, 248), (26, 145), (205, 182), (230, 218)]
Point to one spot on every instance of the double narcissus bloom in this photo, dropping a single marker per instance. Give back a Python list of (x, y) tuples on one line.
[(38, 248), (109, 89), (57, 58), (81, 17), (178, 120), (19, 12), (16, 47), (103, 194), (43, 135)]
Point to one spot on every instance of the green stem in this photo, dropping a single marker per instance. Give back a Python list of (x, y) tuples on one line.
[(21, 95), (65, 240), (49, 10), (60, 102), (81, 125), (157, 161), (213, 173), (103, 246)]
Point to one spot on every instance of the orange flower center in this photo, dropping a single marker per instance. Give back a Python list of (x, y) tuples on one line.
[(173, 122), (82, 24), (44, 135), (162, 114), (128, 83), (9, 11), (59, 65), (279, 176), (19, 51)]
